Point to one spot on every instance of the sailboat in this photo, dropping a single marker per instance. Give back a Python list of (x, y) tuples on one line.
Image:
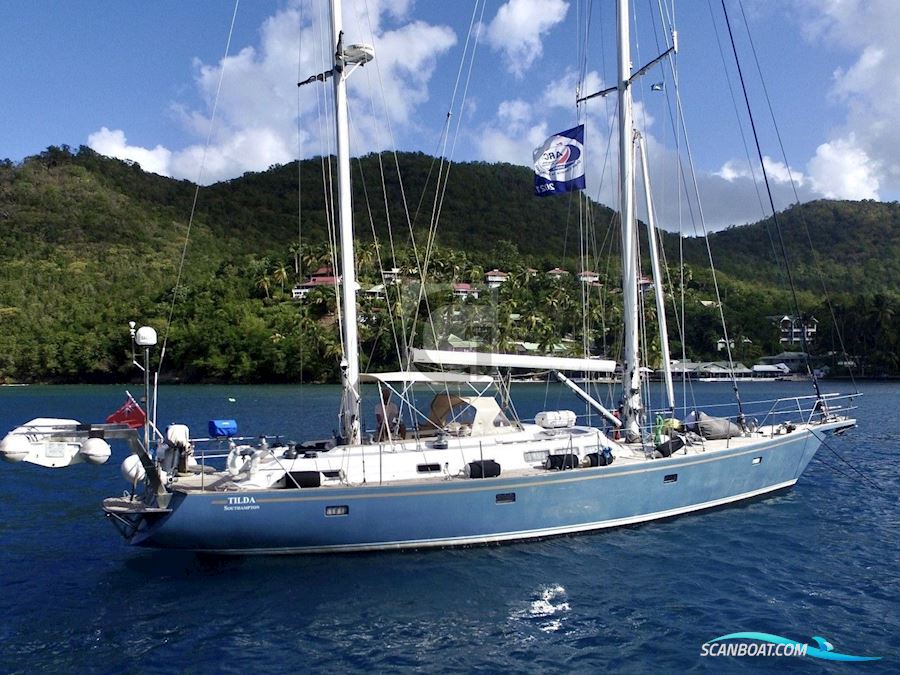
[(465, 470)]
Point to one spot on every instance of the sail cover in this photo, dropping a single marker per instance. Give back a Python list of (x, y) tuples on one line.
[(559, 163)]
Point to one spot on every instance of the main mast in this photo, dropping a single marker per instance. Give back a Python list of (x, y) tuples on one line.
[(631, 389), (350, 422)]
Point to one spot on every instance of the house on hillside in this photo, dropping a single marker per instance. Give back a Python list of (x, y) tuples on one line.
[(324, 276), (794, 329), (556, 273), (721, 344), (464, 291), (495, 278), (392, 276)]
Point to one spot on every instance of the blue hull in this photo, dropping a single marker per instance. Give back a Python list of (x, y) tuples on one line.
[(467, 512)]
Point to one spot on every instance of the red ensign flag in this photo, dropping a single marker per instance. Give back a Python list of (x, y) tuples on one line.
[(130, 413)]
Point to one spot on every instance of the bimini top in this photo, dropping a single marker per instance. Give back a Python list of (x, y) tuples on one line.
[(415, 377), (491, 360)]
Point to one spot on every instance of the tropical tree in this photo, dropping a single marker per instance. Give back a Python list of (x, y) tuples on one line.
[(264, 283), (281, 275)]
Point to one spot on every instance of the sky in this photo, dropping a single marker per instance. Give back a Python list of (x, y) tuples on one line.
[(141, 81)]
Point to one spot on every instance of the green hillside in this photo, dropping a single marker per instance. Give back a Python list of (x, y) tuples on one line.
[(856, 246), (89, 243)]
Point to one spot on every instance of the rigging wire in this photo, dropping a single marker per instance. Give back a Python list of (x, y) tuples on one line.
[(784, 253), (667, 18), (679, 115), (298, 260), (611, 113), (824, 442), (399, 342), (836, 469), (327, 142), (582, 200), (803, 220), (200, 173), (403, 344), (443, 175), (737, 117)]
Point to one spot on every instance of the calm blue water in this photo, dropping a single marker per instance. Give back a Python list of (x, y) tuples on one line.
[(819, 560)]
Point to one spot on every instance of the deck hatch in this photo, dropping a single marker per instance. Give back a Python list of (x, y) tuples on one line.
[(670, 478)]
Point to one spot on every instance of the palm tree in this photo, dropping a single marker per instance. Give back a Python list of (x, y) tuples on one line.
[(476, 274), (294, 250), (281, 275), (264, 283), (366, 255), (547, 336)]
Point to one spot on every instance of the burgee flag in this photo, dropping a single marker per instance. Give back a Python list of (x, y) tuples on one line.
[(559, 163)]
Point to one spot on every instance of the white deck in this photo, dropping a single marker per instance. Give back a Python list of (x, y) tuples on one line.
[(520, 453)]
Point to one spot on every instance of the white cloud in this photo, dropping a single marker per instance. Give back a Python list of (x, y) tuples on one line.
[(733, 170), (114, 144), (514, 114), (244, 150), (862, 76), (778, 172), (843, 170), (406, 61), (561, 92), (503, 143), (861, 157), (256, 119), (519, 28)]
